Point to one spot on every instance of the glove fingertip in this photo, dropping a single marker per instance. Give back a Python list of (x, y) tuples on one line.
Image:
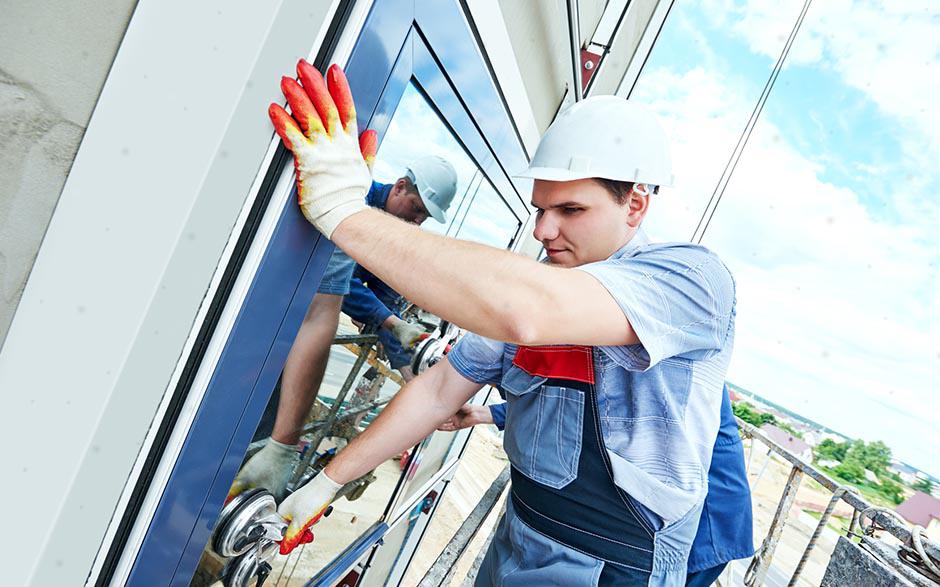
[(306, 537), (369, 145), (338, 86), (284, 125)]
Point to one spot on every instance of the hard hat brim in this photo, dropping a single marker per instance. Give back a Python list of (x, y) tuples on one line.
[(433, 209), (553, 174), (556, 174)]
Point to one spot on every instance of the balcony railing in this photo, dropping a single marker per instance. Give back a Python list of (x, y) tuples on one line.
[(914, 558)]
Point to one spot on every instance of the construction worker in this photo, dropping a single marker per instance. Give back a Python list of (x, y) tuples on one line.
[(613, 354), (426, 189), (383, 306), (725, 530)]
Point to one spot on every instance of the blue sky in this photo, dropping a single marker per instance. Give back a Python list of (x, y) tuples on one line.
[(830, 223)]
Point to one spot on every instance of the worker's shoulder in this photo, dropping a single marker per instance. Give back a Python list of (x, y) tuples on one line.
[(688, 259), (678, 253)]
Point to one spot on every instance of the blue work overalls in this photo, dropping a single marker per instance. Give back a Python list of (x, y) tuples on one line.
[(567, 522)]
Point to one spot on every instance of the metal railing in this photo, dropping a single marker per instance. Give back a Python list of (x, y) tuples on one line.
[(442, 570), (880, 518)]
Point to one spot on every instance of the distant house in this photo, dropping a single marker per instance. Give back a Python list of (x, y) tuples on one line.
[(923, 510), (791, 443)]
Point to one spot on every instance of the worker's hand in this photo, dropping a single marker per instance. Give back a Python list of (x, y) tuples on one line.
[(467, 416), (408, 334), (303, 509), (333, 167), (270, 468)]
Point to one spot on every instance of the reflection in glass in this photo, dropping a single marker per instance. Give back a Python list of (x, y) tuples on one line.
[(489, 220), (323, 406)]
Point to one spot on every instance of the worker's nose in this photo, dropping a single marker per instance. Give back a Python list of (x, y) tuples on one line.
[(546, 229)]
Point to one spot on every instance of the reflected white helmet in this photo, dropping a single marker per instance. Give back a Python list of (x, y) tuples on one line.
[(436, 181), (606, 137)]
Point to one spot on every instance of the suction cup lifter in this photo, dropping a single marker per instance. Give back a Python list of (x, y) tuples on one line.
[(249, 530), (432, 349)]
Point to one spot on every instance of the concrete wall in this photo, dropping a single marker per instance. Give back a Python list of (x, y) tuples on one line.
[(177, 136), (54, 58)]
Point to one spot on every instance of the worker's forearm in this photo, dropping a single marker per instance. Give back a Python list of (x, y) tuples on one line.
[(480, 288), (415, 412)]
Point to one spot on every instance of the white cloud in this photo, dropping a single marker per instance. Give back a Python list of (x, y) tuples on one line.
[(886, 50), (837, 314)]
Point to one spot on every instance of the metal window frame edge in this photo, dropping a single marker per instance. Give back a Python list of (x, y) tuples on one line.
[(258, 245), (644, 48), (486, 22)]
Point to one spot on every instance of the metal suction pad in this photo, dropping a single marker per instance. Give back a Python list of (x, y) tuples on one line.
[(248, 518), (252, 568), (427, 354)]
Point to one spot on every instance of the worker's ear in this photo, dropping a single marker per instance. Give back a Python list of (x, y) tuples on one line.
[(400, 186), (638, 202)]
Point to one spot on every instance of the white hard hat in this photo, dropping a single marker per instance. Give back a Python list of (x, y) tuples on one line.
[(436, 181), (606, 137)]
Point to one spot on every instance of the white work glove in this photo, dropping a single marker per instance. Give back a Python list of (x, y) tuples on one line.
[(332, 166), (304, 507), (270, 468), (408, 334)]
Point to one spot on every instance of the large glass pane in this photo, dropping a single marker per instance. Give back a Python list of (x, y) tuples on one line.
[(489, 220), (346, 365), (414, 132), (828, 223), (684, 82)]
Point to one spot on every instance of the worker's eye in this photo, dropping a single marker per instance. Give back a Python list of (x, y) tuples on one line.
[(569, 210), (539, 212)]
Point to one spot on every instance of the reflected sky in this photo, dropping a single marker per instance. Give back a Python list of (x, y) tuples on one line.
[(477, 212)]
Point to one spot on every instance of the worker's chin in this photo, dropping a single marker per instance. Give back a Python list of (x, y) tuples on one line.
[(562, 261)]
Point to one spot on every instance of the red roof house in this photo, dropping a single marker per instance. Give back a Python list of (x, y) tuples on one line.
[(920, 509)]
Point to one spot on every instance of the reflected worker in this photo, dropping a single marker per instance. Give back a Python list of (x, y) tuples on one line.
[(613, 355), (426, 190)]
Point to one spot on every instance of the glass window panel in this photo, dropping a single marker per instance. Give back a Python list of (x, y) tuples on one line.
[(829, 220), (682, 83), (361, 375), (416, 131), (489, 221)]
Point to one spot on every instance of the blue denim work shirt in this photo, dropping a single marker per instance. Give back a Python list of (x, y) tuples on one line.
[(725, 530), (371, 301), (659, 401)]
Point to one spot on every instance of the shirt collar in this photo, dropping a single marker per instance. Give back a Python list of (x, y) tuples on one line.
[(639, 240), (378, 194)]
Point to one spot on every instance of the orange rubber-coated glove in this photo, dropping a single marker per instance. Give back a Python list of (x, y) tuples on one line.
[(304, 508), (333, 167)]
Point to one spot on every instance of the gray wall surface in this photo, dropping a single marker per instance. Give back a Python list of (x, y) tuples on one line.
[(54, 58)]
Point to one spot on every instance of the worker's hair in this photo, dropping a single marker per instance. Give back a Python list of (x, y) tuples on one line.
[(410, 186), (621, 189)]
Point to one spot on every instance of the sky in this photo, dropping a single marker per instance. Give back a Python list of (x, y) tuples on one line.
[(831, 221), (490, 221)]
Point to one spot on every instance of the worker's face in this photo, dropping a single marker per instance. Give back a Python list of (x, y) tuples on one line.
[(579, 221), (405, 205)]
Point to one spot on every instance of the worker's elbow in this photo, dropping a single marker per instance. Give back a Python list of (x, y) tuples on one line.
[(522, 330)]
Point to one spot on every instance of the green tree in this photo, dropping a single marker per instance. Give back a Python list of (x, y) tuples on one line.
[(925, 485), (830, 450), (851, 471), (749, 414), (874, 456), (891, 490)]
